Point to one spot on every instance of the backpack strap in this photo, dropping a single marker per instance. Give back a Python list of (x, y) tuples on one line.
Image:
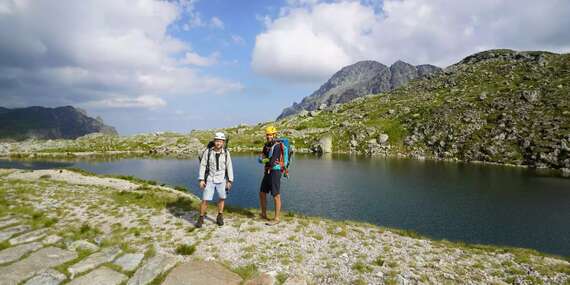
[(226, 161), (207, 172)]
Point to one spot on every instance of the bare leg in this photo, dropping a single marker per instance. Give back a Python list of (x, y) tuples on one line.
[(277, 200), (263, 204), (221, 206), (203, 207)]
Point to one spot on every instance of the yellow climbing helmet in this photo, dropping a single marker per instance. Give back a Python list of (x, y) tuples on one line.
[(270, 130)]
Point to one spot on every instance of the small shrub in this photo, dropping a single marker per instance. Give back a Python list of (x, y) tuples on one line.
[(379, 261), (247, 271), (186, 249), (361, 267)]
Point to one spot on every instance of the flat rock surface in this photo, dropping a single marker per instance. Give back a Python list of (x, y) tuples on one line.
[(83, 245), (94, 260), (51, 239), (47, 277), (261, 279), (28, 237), (73, 178), (9, 221), (103, 276), (36, 262), (296, 281), (129, 261), (7, 233), (155, 266), (16, 252), (201, 272)]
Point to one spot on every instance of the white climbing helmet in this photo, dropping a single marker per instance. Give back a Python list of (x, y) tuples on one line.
[(220, 136)]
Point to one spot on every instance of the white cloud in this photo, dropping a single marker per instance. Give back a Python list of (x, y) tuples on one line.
[(145, 101), (114, 52), (193, 58), (309, 41), (217, 23)]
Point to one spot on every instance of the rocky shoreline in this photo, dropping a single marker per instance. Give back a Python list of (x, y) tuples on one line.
[(72, 227)]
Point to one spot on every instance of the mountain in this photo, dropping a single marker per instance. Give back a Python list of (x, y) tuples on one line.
[(49, 123), (357, 80), (498, 106)]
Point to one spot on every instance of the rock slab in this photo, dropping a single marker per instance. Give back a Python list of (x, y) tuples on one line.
[(29, 237), (129, 261), (101, 276), (38, 261), (9, 232), (201, 272), (9, 222), (16, 252), (94, 260), (47, 277), (155, 266)]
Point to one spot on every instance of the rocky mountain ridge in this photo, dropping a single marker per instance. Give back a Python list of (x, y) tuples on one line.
[(359, 79), (49, 123)]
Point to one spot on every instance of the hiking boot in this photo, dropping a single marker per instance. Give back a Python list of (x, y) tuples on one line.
[(200, 222), (273, 222), (220, 220)]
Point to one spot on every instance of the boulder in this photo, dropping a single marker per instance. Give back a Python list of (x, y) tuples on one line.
[(383, 138), (530, 96), (326, 144), (201, 272)]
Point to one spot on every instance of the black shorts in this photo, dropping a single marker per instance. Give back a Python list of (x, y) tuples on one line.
[(271, 182)]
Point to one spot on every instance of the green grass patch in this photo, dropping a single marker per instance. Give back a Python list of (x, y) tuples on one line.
[(186, 249), (246, 272), (361, 267)]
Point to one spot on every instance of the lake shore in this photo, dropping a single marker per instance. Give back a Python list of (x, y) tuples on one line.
[(188, 146), (88, 216)]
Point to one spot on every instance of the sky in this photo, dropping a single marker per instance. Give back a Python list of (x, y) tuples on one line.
[(151, 65)]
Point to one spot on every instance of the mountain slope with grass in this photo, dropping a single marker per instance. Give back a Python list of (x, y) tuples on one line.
[(60, 226), (49, 123), (497, 106)]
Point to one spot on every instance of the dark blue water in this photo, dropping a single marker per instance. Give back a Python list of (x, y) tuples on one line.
[(454, 201)]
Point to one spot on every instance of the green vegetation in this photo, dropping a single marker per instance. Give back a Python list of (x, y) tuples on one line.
[(246, 272), (186, 249), (478, 110)]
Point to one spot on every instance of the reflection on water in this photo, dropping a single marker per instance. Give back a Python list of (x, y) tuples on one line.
[(456, 201)]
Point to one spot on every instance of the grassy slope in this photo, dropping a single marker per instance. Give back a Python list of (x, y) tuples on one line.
[(448, 115)]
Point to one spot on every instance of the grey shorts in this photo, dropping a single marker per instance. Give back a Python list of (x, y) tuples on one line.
[(211, 187)]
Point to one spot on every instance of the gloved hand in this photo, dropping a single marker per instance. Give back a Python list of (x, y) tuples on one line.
[(265, 160)]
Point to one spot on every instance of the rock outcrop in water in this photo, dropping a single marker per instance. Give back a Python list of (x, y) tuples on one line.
[(60, 226), (357, 80), (49, 123)]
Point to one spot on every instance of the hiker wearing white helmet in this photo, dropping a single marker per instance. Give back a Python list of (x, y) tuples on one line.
[(216, 175)]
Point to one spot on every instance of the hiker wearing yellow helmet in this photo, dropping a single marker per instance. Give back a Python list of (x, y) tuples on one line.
[(271, 183)]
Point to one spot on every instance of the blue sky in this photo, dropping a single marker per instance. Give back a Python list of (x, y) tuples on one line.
[(178, 65)]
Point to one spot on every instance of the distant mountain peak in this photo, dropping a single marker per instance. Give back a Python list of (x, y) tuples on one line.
[(357, 80), (49, 123)]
